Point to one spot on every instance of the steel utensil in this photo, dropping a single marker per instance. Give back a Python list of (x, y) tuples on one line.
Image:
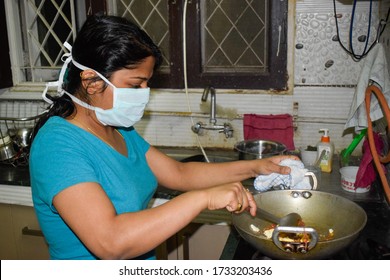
[(7, 150), (291, 219), (255, 149)]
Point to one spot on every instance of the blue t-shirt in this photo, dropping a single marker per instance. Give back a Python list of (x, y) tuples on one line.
[(63, 155)]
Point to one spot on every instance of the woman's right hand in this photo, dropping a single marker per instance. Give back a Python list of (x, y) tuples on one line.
[(234, 197)]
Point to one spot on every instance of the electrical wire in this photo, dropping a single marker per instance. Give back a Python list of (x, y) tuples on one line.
[(280, 34), (380, 29), (185, 76), (351, 30)]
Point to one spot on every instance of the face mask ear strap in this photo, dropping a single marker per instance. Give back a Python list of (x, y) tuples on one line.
[(66, 58), (78, 101), (44, 94), (82, 67)]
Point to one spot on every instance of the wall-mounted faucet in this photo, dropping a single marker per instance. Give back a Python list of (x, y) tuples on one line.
[(213, 103), (226, 128)]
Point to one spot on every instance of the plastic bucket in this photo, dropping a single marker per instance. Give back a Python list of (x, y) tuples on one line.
[(348, 178)]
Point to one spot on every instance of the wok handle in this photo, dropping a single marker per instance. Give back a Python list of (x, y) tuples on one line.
[(279, 229), (314, 177)]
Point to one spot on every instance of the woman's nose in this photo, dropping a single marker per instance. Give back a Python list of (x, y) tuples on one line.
[(144, 84)]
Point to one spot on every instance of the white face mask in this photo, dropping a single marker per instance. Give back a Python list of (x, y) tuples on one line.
[(128, 103), (128, 107)]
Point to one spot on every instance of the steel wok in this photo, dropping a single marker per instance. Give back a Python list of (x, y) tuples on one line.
[(320, 212)]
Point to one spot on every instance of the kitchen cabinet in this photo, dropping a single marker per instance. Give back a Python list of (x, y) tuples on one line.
[(7, 238), (195, 242), (20, 234)]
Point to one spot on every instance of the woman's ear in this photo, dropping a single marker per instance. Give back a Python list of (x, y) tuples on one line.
[(89, 83)]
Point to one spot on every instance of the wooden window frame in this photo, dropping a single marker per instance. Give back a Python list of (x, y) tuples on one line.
[(5, 62), (276, 78)]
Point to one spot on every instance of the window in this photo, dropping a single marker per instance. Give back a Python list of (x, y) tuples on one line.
[(38, 30), (5, 64), (230, 43), (238, 44)]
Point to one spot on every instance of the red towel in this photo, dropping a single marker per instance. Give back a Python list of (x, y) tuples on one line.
[(277, 128)]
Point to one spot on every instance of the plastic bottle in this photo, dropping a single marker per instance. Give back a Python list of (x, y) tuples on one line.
[(325, 150)]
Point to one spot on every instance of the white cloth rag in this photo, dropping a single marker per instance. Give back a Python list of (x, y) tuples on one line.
[(295, 180), (374, 70)]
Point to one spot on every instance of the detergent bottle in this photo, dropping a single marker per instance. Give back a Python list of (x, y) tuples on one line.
[(325, 150)]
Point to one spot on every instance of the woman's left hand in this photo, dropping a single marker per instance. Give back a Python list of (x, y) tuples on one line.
[(271, 165)]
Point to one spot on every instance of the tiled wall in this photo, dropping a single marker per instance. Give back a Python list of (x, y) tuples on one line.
[(319, 107), (319, 59)]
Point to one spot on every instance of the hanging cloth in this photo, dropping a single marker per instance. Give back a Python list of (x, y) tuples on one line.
[(374, 70), (277, 128)]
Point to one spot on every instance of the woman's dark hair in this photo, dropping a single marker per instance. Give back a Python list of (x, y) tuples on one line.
[(105, 44)]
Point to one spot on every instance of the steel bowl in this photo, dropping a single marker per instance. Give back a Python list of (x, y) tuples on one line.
[(22, 136), (7, 150), (256, 149)]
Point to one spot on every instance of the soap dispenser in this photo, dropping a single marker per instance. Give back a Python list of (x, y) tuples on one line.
[(325, 150)]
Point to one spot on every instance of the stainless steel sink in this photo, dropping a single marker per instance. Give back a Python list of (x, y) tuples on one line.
[(192, 155), (211, 158), (185, 153)]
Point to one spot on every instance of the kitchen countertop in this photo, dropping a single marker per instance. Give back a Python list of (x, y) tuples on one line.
[(11, 175), (329, 182), (15, 182), (15, 185)]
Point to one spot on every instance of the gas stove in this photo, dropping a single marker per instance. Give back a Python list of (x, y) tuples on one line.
[(360, 249)]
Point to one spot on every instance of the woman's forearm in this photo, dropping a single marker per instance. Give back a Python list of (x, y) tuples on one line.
[(203, 175), (137, 233)]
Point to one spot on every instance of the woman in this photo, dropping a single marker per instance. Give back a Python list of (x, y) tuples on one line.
[(92, 174)]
